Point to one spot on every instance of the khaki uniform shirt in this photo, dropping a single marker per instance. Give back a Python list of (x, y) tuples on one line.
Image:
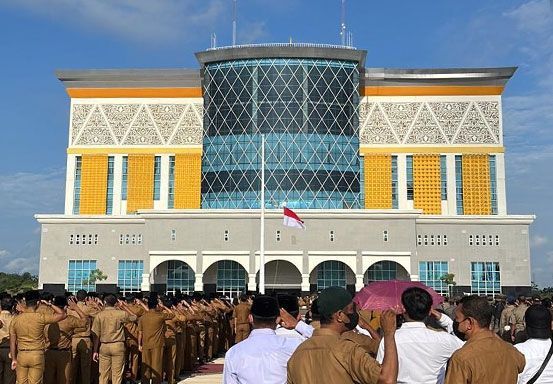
[(44, 309), (241, 313), (328, 358), (58, 335), (28, 329), (172, 326), (131, 328), (517, 318), (90, 312), (108, 324), (485, 358), (152, 326), (505, 317), (6, 318)]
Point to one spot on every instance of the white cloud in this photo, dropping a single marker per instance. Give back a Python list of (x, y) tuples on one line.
[(144, 21), (538, 241), (3, 253)]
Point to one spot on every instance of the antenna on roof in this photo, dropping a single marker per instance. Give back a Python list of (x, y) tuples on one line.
[(350, 39), (234, 22), (343, 23), (213, 40)]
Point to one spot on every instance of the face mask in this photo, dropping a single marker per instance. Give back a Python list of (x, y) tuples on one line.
[(456, 331), (353, 320)]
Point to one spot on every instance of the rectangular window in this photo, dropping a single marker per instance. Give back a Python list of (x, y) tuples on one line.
[(497, 240), (331, 235), (445, 240), (171, 202), (443, 176), (157, 177), (179, 277), (459, 183), (331, 274), (226, 235), (485, 278), (77, 186), (394, 183), (385, 236), (410, 190), (471, 240), (430, 273), (419, 240), (129, 276), (124, 177), (277, 235), (109, 195), (78, 276), (493, 184), (173, 234), (231, 278)]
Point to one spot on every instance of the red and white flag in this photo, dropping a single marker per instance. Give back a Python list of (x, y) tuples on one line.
[(292, 220)]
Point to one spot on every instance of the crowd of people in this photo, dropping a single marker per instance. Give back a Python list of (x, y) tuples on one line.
[(89, 338)]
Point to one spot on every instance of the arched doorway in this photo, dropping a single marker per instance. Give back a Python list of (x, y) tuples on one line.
[(385, 270), (281, 276), (225, 277), (332, 273), (172, 276)]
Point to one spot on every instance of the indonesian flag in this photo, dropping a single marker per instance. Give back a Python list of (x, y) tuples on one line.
[(292, 220)]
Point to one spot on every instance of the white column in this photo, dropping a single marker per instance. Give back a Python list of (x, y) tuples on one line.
[(359, 282), (402, 181), (451, 185), (164, 187), (145, 286), (198, 281), (252, 285), (305, 286), (117, 183), (501, 190), (70, 184)]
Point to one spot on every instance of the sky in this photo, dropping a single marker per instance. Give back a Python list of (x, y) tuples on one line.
[(39, 36)]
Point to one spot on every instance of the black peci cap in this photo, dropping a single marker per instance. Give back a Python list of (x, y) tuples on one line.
[(265, 306), (289, 303), (538, 321)]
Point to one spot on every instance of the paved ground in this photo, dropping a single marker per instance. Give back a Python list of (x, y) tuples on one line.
[(207, 374)]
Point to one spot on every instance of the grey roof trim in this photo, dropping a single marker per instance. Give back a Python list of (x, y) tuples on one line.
[(130, 78), (282, 51), (436, 76)]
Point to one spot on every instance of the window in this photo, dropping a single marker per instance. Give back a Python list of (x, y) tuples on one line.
[(331, 274), (173, 234), (79, 274), (493, 184), (484, 240), (419, 240), (277, 235), (497, 240), (179, 276), (231, 278), (157, 176), (394, 183), (226, 235), (443, 176), (430, 273), (485, 278), (459, 183), (124, 177), (109, 194), (383, 270), (331, 235), (77, 186), (445, 239), (171, 200), (385, 236), (471, 240), (83, 239), (71, 239), (425, 240), (410, 190), (432, 240), (129, 276)]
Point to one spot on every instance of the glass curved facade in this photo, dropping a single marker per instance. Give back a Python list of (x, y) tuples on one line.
[(307, 111)]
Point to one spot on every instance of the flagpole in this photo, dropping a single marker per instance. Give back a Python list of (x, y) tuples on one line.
[(262, 235)]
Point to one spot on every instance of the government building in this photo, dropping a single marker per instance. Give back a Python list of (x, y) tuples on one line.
[(397, 174)]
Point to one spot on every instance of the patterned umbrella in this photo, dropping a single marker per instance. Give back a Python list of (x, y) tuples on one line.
[(382, 295)]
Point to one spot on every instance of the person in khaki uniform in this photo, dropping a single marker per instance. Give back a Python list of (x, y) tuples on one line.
[(241, 323), (132, 354), (27, 338), (518, 326), (6, 374), (330, 356), (504, 321), (109, 340), (484, 358), (151, 339), (58, 343), (81, 343), (170, 346)]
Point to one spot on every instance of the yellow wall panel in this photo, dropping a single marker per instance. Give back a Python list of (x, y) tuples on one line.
[(427, 184), (378, 181), (188, 181), (140, 182), (476, 185), (94, 182)]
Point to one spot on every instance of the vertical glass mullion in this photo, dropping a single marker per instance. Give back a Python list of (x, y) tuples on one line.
[(409, 169), (109, 193), (77, 186), (459, 183), (493, 183)]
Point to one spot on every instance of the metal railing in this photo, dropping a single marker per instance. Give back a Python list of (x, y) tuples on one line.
[(276, 45)]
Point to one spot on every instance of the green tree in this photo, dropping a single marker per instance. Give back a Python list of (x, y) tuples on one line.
[(449, 279), (95, 275), (14, 283)]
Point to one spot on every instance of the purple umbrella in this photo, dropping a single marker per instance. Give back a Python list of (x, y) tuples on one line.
[(382, 295)]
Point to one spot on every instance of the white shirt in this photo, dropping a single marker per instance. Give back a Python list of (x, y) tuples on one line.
[(292, 333), (261, 358), (422, 353), (535, 351)]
